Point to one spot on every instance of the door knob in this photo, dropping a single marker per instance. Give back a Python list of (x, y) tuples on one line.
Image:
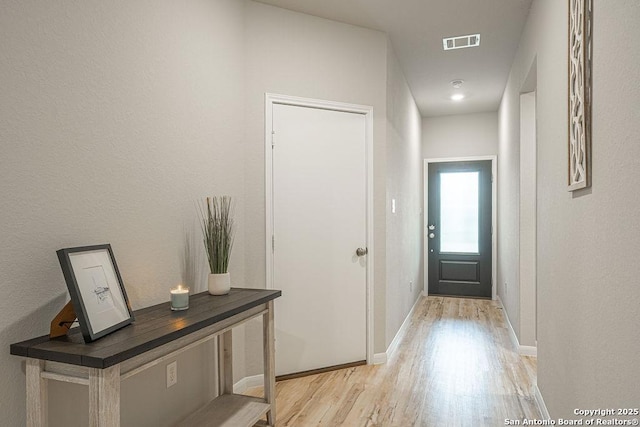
[(361, 251)]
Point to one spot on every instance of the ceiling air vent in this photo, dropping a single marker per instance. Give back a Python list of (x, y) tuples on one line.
[(460, 42)]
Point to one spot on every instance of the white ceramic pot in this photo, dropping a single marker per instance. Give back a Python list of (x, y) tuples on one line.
[(219, 284)]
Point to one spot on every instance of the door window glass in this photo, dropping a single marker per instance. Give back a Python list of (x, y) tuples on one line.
[(459, 212)]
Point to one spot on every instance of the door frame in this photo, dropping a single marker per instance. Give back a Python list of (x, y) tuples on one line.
[(494, 219), (270, 100)]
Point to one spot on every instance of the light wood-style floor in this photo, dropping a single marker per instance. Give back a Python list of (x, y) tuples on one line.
[(454, 366)]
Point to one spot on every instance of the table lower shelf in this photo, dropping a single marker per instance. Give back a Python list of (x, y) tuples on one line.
[(228, 410)]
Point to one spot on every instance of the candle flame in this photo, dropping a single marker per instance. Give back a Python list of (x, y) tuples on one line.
[(179, 289)]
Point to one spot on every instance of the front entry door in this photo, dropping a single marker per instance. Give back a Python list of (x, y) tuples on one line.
[(319, 222), (459, 228)]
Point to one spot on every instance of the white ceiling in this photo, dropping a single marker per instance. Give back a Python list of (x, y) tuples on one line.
[(416, 29)]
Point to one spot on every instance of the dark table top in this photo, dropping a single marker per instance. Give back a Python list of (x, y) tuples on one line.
[(153, 326)]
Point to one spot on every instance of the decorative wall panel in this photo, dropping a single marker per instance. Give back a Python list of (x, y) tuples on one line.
[(580, 41)]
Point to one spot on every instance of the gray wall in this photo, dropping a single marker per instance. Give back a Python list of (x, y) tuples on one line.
[(114, 119), (463, 135), (508, 282), (587, 242), (526, 329), (404, 184)]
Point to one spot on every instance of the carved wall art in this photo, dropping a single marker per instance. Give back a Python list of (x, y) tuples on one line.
[(580, 42)]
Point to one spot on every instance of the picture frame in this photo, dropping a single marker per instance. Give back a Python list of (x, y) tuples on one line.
[(96, 289), (580, 93)]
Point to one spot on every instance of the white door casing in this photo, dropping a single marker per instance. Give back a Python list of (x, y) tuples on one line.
[(319, 210)]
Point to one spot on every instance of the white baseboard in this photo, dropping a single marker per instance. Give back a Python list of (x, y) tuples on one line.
[(381, 358), (542, 407), (528, 350), (248, 382), (524, 350)]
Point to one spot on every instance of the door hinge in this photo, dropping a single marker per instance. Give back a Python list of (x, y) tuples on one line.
[(273, 138), (273, 243), (491, 177)]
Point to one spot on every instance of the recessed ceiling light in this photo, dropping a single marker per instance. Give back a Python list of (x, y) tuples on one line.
[(457, 97), (460, 42)]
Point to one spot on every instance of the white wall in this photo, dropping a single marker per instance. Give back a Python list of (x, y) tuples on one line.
[(404, 184), (291, 53), (114, 119), (463, 135), (588, 298)]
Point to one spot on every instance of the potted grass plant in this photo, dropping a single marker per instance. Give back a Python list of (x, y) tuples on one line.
[(217, 229)]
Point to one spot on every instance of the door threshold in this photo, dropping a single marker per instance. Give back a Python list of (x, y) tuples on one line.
[(320, 370), (458, 296)]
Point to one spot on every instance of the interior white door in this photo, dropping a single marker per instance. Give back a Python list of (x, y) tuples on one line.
[(319, 220)]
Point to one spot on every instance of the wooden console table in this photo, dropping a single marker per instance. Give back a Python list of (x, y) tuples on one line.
[(157, 335)]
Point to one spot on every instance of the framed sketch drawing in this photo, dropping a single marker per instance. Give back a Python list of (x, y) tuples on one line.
[(580, 42), (96, 290)]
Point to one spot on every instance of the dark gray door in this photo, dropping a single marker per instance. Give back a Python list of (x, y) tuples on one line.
[(459, 228)]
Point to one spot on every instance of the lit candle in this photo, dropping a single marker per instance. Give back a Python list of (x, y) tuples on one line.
[(180, 298)]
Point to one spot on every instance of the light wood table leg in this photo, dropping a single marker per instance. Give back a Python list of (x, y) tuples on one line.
[(225, 363), (37, 402), (269, 363), (104, 397)]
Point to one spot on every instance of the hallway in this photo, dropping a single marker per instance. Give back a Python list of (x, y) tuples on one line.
[(454, 366)]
